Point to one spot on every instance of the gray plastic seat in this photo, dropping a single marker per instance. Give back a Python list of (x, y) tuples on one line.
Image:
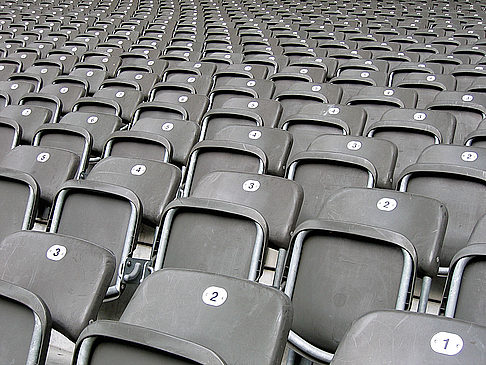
[(49, 166), (422, 220), (352, 81), (105, 214), (124, 93), (10, 134), (453, 175), (46, 101), (26, 325), (313, 120), (406, 69), (190, 330), (427, 86), (274, 142), (378, 100), (402, 338), (339, 271), (240, 87), (300, 95), (29, 118), (192, 84), (68, 89), (70, 275), (194, 105), (99, 126), (240, 111), (155, 183), (332, 162), (411, 130), (19, 196), (468, 108), (93, 74)]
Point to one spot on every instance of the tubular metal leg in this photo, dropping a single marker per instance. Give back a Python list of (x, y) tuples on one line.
[(424, 294)]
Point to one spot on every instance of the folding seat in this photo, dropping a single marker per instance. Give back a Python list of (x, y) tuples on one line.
[(25, 56), (188, 68), (466, 75), (440, 170), (240, 87), (474, 52), (50, 103), (378, 100), (29, 118), (273, 63), (352, 81), (394, 58), (468, 108), (67, 60), (241, 111), (421, 220), (274, 142), (68, 90), (8, 67), (146, 80), (27, 316), (20, 193), (313, 120), (110, 64), (448, 62), (242, 71), (105, 214), (476, 137), (155, 183), (408, 338), (131, 59), (339, 271), (406, 69), (230, 304), (332, 162), (300, 95), (173, 104), (290, 75), (363, 65), (124, 92), (196, 84), (411, 130), (93, 74), (48, 70), (427, 86), (236, 188)]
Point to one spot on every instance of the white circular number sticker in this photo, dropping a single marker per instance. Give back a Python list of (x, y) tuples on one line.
[(214, 296), (43, 157), (446, 343), (138, 170), (333, 110), (365, 74), (386, 204), (467, 98), (92, 120), (56, 252), (354, 145), (14, 86), (469, 156), (254, 135), (253, 104), (388, 92), (183, 99), (120, 94), (167, 126), (89, 73), (251, 185), (251, 83), (419, 116), (316, 88), (63, 90)]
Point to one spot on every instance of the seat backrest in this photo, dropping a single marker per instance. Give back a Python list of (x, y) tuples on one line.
[(338, 272), (154, 182), (464, 292), (422, 220), (247, 312), (388, 336), (105, 214), (26, 325), (333, 162), (29, 119), (49, 166), (453, 175), (10, 134), (278, 200), (411, 130), (274, 142), (70, 275)]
